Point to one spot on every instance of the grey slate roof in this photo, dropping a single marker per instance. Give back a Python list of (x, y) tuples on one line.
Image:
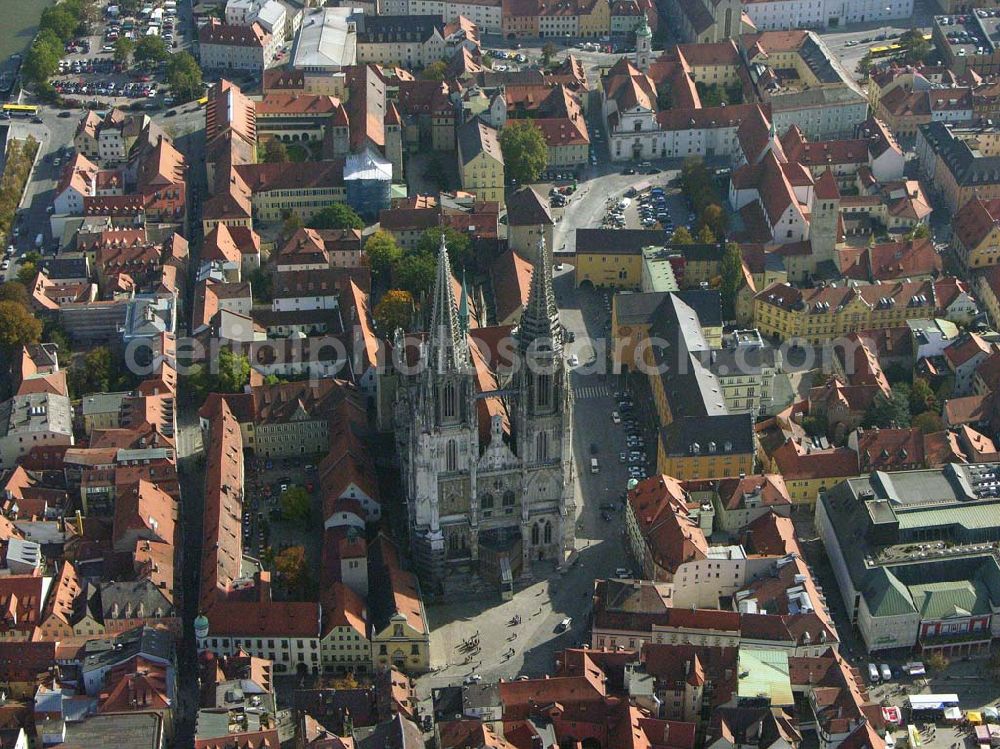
[(732, 434)]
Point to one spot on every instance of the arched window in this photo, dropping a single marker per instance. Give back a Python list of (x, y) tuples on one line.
[(542, 445), (548, 532), (508, 498), (729, 23), (448, 406), (487, 501), (534, 535), (451, 456)]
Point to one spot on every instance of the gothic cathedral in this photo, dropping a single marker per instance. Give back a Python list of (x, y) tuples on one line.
[(486, 450)]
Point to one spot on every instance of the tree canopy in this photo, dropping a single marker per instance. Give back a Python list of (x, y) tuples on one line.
[(393, 311), (184, 77), (18, 327), (336, 216), (124, 47), (415, 273), (731, 271), (524, 151), (383, 253), (14, 291), (274, 151), (150, 50), (296, 504), (459, 245), (435, 71)]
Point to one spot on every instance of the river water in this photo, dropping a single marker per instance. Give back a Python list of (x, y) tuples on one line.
[(20, 19)]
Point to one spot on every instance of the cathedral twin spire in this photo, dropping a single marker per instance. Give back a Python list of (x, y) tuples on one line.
[(448, 348), (540, 320)]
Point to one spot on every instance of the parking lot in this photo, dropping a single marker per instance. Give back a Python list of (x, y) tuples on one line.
[(264, 524)]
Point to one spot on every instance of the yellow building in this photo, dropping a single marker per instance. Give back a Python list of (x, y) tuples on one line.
[(702, 447), (344, 644), (594, 18), (961, 162), (826, 312), (989, 293), (480, 161), (976, 233), (401, 637), (612, 257), (808, 470), (300, 188)]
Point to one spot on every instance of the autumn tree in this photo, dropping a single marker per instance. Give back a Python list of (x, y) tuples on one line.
[(18, 327), (26, 274), (682, 236), (714, 217), (291, 224), (435, 71), (274, 151), (922, 397), (394, 311), (13, 291), (383, 253), (549, 52), (524, 151), (296, 504), (936, 661), (706, 235), (292, 568)]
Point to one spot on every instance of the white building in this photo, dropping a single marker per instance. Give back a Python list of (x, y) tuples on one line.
[(33, 420), (773, 15), (225, 47), (486, 14)]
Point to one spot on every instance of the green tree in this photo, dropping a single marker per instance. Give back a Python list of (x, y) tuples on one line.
[(336, 216), (291, 224), (150, 50), (549, 52), (891, 411), (233, 372), (435, 71), (415, 274), (928, 422), (394, 311), (184, 77), (920, 231), (922, 397), (524, 151), (274, 151), (682, 236), (26, 274), (915, 47), (124, 48), (262, 284), (60, 20), (18, 327), (14, 291), (42, 60), (459, 245), (865, 65), (293, 570), (815, 426), (95, 372), (383, 253), (731, 271), (296, 504)]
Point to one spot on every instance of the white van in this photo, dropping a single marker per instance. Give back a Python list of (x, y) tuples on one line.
[(594, 467), (873, 675)]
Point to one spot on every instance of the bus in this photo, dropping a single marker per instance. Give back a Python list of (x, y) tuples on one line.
[(20, 110), (887, 50)]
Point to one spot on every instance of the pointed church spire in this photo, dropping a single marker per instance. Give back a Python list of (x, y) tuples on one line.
[(540, 319), (463, 307), (448, 348)]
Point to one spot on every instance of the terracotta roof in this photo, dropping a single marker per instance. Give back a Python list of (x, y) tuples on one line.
[(342, 607), (295, 103), (215, 32), (659, 504), (797, 462), (768, 490), (972, 409), (229, 109), (21, 600), (292, 175), (222, 548), (975, 220), (265, 618), (511, 276)]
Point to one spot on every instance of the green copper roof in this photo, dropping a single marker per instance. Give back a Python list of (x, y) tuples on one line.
[(886, 595)]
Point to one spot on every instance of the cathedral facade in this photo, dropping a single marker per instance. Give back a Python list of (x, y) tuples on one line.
[(484, 434)]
